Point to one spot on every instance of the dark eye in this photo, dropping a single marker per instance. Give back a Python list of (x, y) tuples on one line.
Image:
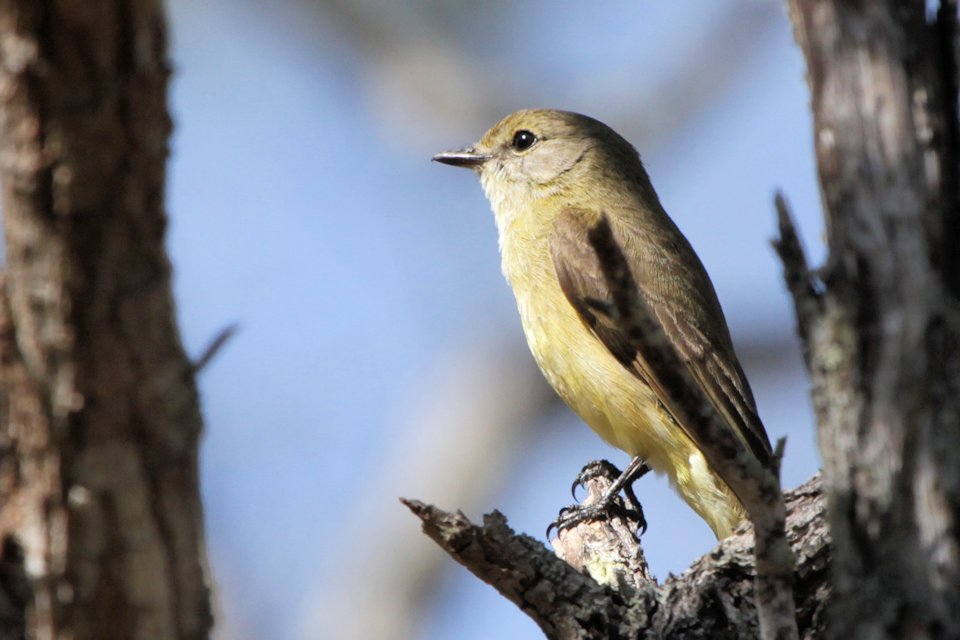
[(523, 140)]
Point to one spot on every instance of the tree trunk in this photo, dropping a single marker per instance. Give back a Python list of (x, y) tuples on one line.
[(101, 517), (880, 323)]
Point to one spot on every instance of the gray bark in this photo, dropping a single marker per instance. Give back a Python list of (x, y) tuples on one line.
[(607, 592), (880, 320)]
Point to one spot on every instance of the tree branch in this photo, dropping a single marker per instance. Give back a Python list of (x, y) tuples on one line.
[(564, 602), (714, 598), (805, 290)]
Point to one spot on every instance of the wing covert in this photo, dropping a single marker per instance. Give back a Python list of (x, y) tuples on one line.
[(677, 290)]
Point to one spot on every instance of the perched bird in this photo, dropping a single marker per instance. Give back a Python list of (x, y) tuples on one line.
[(549, 175)]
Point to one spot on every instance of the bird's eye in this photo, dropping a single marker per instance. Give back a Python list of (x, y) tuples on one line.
[(523, 140)]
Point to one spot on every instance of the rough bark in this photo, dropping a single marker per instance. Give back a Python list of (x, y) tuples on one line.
[(712, 599), (101, 516), (879, 320)]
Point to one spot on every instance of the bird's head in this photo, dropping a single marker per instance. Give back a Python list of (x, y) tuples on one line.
[(535, 154)]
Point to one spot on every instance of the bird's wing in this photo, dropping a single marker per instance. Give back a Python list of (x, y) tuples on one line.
[(676, 288)]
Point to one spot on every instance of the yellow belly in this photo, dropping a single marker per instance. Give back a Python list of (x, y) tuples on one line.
[(616, 404)]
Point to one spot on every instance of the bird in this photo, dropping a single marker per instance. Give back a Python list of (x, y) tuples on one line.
[(549, 176)]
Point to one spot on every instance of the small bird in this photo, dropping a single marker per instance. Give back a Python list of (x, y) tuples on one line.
[(549, 176)]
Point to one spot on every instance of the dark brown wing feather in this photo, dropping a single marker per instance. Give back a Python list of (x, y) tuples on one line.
[(675, 286)]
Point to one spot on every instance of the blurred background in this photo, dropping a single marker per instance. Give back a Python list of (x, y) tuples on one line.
[(379, 352)]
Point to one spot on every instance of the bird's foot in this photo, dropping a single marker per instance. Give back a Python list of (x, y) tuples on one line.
[(594, 469), (577, 514), (609, 503)]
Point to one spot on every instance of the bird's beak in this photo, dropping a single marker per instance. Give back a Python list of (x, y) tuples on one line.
[(467, 157)]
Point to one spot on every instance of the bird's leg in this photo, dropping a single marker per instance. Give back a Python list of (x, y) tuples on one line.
[(607, 503), (634, 471)]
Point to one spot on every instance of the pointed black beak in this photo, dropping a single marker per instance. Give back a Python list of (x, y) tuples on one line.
[(468, 157)]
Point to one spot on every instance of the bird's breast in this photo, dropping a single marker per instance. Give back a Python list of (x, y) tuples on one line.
[(621, 408)]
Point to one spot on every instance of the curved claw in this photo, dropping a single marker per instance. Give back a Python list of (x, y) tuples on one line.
[(562, 521), (591, 470), (570, 516), (553, 525), (573, 488)]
